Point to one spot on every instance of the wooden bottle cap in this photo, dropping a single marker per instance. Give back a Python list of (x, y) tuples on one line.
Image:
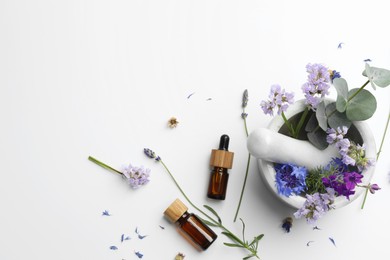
[(221, 158), (175, 210)]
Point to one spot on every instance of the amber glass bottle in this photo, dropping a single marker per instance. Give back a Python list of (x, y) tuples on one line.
[(198, 233), (221, 160)]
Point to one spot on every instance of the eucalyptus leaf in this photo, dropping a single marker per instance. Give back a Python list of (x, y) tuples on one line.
[(335, 118), (312, 123), (318, 139), (341, 87), (214, 212), (362, 106), (379, 77), (341, 104), (321, 116)]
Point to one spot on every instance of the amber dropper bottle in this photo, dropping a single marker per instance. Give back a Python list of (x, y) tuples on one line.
[(198, 233), (221, 160)]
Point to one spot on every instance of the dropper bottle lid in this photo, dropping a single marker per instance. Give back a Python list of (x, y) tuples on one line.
[(222, 157)]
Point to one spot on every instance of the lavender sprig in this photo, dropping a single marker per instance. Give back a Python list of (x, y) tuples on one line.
[(250, 246), (244, 104)]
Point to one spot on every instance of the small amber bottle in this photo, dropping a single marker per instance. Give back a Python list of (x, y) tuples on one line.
[(221, 160), (198, 233)]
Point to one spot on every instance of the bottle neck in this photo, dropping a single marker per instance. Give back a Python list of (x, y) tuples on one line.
[(184, 218)]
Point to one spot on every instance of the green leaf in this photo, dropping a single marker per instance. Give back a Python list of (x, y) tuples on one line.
[(247, 257), (243, 230), (341, 87), (341, 104), (380, 77), (312, 123), (362, 106), (232, 237), (318, 139), (214, 212), (256, 239), (232, 245), (321, 116), (335, 118), (209, 223)]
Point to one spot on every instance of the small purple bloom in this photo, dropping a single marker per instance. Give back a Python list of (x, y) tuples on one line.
[(151, 154), (278, 98), (316, 205), (287, 224), (290, 179), (337, 135), (334, 75), (136, 176), (374, 187), (317, 85)]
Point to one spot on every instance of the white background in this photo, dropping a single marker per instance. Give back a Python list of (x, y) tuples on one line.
[(102, 78)]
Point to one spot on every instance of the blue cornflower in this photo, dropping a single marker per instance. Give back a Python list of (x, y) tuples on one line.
[(334, 75), (290, 179)]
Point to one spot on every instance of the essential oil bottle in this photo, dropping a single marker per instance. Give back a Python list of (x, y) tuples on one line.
[(193, 229), (221, 160)]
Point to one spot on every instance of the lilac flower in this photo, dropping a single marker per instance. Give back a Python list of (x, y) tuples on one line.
[(337, 135), (290, 179), (278, 98), (136, 176), (316, 205), (317, 85)]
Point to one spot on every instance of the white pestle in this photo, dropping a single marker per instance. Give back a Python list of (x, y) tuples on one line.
[(274, 147)]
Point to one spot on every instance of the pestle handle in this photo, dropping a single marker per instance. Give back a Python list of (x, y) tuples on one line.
[(274, 147)]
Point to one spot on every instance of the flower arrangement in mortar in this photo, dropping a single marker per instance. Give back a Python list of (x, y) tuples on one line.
[(317, 152)]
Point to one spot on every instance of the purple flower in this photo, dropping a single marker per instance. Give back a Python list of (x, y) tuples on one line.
[(151, 154), (343, 183), (136, 176), (373, 188), (316, 205), (334, 75), (278, 98), (337, 135), (317, 85), (290, 179)]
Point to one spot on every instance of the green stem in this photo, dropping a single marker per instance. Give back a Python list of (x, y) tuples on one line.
[(243, 187), (365, 197), (105, 166), (357, 92), (383, 137), (288, 124), (300, 123)]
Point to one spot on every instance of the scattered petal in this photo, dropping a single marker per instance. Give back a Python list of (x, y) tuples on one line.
[(113, 248), (139, 254), (172, 122), (106, 213), (179, 256), (209, 99), (123, 238), (367, 60), (340, 45), (190, 95), (316, 228), (139, 235), (308, 243), (287, 224), (161, 227), (332, 240)]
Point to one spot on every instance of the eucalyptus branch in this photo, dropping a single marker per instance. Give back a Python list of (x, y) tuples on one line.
[(301, 121), (288, 124)]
